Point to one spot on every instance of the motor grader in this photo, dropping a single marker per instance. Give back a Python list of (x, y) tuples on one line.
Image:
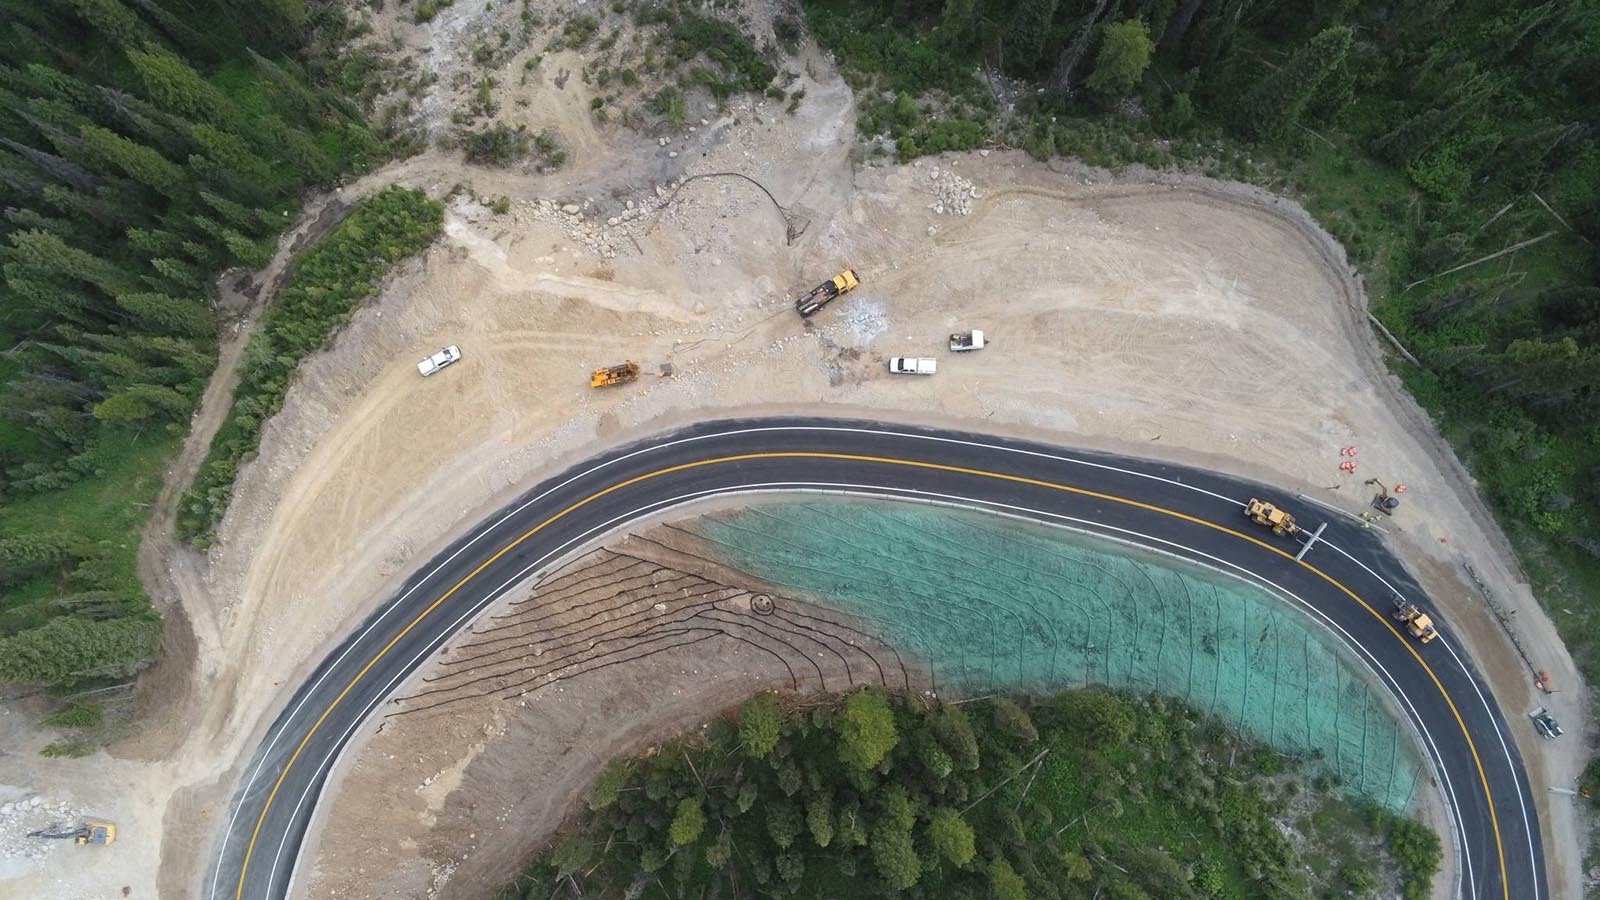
[(1418, 623), (1265, 514)]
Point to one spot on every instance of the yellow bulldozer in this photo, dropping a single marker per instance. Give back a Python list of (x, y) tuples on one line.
[(1417, 622), (1265, 514), (628, 371)]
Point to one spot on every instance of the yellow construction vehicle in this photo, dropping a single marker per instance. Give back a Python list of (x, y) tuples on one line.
[(824, 293), (1264, 513), (88, 831), (1417, 622), (611, 375)]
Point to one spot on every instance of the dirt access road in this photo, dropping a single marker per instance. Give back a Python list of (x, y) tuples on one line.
[(1155, 315)]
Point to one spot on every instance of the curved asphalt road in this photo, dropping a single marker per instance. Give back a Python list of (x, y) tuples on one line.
[(1346, 582)]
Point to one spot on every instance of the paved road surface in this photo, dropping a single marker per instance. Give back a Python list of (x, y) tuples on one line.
[(1347, 582)]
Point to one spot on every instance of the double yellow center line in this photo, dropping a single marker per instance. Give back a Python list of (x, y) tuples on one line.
[(882, 460)]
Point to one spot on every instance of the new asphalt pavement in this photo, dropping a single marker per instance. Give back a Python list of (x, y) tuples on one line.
[(1347, 582)]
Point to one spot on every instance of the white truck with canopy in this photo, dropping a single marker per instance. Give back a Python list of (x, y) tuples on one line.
[(964, 341)]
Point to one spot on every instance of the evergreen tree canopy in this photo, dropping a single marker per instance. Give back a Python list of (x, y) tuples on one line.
[(1125, 50), (130, 176)]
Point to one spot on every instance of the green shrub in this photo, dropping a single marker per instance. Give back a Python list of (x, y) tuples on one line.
[(497, 145), (77, 714), (1417, 851), (427, 9), (73, 748), (669, 102)]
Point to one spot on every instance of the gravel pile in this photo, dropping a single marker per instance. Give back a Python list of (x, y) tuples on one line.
[(582, 222)]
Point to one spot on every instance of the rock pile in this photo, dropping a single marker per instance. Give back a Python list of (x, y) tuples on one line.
[(19, 817), (952, 194), (602, 238)]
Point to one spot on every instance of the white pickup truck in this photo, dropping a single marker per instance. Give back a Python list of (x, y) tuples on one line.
[(912, 365), (434, 363)]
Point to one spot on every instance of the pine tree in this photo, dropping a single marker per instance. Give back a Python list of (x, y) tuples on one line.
[(35, 80), (784, 822), (141, 401), (194, 45), (163, 130), (1125, 49), (954, 732), (47, 254), (167, 314), (179, 89), (178, 273), (1273, 107), (819, 819), (232, 153), (300, 99), (246, 219), (1025, 39), (759, 722), (116, 22), (135, 160), (24, 554), (1005, 883), (894, 856), (867, 732), (958, 24), (688, 823), (951, 837), (1427, 129), (68, 649), (54, 166)]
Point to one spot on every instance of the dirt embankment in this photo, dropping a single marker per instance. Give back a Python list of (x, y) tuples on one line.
[(1162, 316)]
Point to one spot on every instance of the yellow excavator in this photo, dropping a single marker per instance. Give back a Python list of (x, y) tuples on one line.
[(88, 831), (628, 371), (1263, 513)]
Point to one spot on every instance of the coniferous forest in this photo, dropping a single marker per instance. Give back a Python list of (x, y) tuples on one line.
[(1079, 795), (145, 146)]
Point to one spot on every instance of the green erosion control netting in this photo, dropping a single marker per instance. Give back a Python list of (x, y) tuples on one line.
[(991, 604)]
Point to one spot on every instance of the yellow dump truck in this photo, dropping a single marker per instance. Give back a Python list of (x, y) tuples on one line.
[(826, 292)]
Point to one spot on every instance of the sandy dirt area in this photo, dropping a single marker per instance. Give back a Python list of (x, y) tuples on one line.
[(1157, 315)]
